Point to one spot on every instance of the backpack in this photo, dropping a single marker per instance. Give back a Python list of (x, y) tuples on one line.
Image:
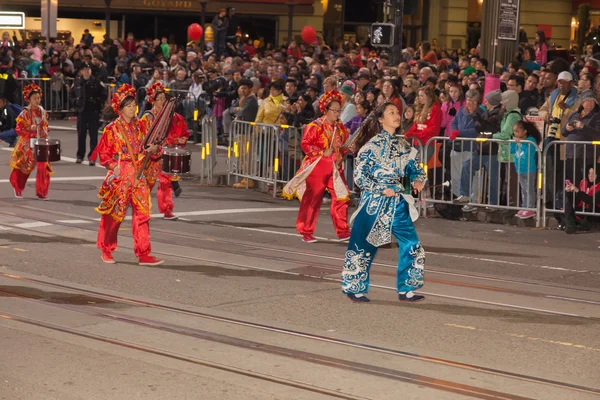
[(17, 109)]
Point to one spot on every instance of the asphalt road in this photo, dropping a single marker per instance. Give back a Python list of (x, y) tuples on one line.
[(242, 309)]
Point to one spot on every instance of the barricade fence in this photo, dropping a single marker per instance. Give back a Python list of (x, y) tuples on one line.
[(56, 93), (571, 164), (471, 173), (481, 172), (208, 154), (253, 153)]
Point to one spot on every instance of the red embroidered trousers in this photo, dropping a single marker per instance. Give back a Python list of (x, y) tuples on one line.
[(109, 229), (18, 180), (164, 194)]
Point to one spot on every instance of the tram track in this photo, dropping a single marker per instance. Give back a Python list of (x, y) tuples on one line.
[(303, 274), (266, 248), (407, 377)]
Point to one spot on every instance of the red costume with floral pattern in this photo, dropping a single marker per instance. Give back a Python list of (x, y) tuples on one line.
[(121, 146), (319, 172), (22, 160)]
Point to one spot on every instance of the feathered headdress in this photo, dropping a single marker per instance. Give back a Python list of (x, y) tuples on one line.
[(124, 92), (327, 98), (29, 90), (154, 90)]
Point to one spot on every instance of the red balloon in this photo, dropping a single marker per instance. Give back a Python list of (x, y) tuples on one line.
[(309, 34), (194, 31)]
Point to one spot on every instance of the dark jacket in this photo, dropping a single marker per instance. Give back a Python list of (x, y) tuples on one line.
[(249, 110), (527, 100), (89, 95), (8, 85), (589, 132), (8, 117)]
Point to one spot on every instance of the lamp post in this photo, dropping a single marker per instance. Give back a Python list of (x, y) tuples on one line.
[(396, 55), (107, 18)]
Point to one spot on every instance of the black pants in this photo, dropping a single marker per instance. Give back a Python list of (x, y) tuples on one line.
[(87, 121)]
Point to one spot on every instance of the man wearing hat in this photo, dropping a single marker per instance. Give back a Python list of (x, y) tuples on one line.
[(90, 96), (559, 106), (556, 111)]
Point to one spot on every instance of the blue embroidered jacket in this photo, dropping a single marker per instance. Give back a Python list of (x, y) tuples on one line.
[(382, 164)]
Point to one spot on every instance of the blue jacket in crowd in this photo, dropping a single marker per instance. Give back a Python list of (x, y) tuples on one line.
[(464, 122), (525, 155)]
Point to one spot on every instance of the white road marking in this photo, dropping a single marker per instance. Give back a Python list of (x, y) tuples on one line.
[(32, 225), (63, 128), (5, 228), (223, 212), (571, 299), (428, 252), (67, 179), (73, 221)]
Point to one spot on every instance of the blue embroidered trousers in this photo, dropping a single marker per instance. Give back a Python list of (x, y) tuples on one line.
[(360, 253)]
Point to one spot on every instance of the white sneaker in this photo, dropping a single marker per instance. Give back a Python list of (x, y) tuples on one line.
[(462, 200)]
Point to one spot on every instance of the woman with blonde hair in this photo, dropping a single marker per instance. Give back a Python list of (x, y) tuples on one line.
[(409, 90), (428, 116), (428, 124)]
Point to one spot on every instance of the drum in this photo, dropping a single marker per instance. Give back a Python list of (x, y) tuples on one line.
[(176, 161), (46, 150)]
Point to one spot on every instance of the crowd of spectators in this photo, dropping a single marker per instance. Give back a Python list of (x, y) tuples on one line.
[(439, 91)]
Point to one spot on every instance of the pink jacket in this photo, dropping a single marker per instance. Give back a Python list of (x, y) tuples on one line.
[(446, 117)]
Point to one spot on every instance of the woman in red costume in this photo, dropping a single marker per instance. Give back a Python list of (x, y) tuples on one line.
[(322, 169), (32, 121), (120, 151), (178, 136)]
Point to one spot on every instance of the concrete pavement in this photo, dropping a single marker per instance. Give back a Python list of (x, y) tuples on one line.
[(524, 303)]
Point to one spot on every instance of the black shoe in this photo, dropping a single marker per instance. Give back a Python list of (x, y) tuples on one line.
[(361, 299), (414, 298), (92, 164), (79, 161), (570, 229), (12, 144), (584, 226), (176, 188)]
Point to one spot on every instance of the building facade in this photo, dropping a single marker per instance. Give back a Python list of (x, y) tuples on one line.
[(156, 12)]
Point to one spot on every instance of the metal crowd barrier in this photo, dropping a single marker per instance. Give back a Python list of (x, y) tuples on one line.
[(467, 172), (208, 155), (289, 152), (253, 152), (56, 93), (558, 171)]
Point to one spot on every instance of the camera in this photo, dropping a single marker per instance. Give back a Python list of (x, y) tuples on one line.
[(554, 126)]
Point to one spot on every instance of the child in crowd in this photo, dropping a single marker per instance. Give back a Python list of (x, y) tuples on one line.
[(362, 110), (527, 138)]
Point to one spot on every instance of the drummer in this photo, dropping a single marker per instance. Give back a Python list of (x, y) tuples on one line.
[(178, 136), (31, 123)]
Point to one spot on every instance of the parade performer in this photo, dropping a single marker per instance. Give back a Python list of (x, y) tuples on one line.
[(384, 162), (31, 123), (177, 136), (321, 169), (120, 152)]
